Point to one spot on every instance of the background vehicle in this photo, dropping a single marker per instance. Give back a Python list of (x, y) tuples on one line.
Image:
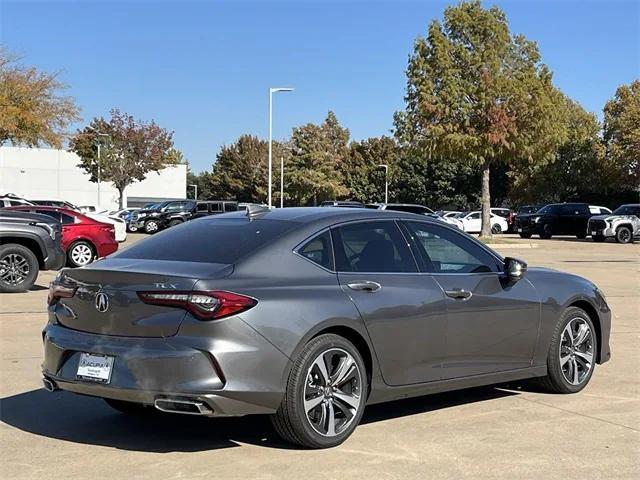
[(596, 210), (507, 214), (555, 219), (11, 200), (417, 209), (623, 224), (126, 214), (119, 225), (196, 210), (338, 324), (148, 219), (342, 203), (55, 203), (83, 238), (28, 243), (472, 222)]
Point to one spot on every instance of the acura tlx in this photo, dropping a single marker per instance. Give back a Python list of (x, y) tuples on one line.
[(309, 314)]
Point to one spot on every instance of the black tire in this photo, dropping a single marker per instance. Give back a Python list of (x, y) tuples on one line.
[(174, 223), (599, 238), (291, 421), (130, 408), (546, 232), (555, 380), (624, 235), (496, 229), (525, 235), (18, 268), (151, 227), (132, 229), (73, 253)]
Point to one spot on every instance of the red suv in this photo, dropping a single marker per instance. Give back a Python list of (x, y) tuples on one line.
[(83, 238)]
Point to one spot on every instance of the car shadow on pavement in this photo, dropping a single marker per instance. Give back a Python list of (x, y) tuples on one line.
[(88, 420)]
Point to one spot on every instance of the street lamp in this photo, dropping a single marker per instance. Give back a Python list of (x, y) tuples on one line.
[(271, 92), (386, 182), (281, 182), (99, 164), (195, 193)]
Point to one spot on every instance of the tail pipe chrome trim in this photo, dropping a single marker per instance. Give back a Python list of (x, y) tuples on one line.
[(49, 385), (184, 406)]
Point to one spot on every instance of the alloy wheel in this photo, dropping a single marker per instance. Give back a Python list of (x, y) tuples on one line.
[(576, 351), (14, 269), (151, 227), (81, 254), (332, 392)]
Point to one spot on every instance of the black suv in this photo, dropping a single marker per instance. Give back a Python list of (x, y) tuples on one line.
[(171, 218), (29, 242), (151, 220), (555, 219)]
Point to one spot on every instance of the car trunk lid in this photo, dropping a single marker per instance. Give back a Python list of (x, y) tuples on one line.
[(106, 300)]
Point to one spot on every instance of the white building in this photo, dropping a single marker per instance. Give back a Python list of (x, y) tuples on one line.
[(40, 174)]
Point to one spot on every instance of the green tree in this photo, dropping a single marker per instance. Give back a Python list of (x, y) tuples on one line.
[(362, 174), (480, 95), (240, 170), (33, 109), (129, 149), (622, 135), (314, 171)]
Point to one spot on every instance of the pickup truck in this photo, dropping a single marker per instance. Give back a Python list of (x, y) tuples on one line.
[(28, 243)]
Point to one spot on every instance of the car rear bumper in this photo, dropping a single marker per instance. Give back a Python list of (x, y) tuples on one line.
[(234, 372), (104, 249)]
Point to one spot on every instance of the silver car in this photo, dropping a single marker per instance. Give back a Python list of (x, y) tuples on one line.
[(623, 224), (309, 314)]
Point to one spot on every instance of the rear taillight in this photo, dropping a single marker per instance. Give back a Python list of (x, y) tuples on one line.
[(58, 291), (204, 305)]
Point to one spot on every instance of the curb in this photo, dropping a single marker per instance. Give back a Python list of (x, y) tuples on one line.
[(499, 246)]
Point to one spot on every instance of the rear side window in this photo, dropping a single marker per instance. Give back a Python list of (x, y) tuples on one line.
[(209, 240), (372, 247), (50, 213), (230, 207), (319, 250), (202, 207)]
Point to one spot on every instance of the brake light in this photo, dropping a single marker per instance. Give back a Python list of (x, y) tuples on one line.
[(204, 305), (58, 291)]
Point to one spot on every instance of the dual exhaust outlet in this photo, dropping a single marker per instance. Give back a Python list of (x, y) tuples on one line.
[(186, 406)]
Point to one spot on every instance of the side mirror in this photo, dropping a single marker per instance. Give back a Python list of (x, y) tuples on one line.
[(514, 268)]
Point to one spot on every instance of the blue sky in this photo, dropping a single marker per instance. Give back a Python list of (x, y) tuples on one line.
[(203, 69)]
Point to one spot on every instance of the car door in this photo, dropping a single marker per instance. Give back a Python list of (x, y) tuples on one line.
[(492, 323), (472, 222), (403, 310)]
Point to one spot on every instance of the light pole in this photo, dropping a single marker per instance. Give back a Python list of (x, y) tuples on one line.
[(271, 92), (99, 163), (195, 193), (281, 182), (386, 182)]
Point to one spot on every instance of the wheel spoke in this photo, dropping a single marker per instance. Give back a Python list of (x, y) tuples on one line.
[(351, 400), (344, 371), (311, 403), (321, 365), (576, 373), (586, 357), (348, 412), (564, 360), (331, 419), (582, 334)]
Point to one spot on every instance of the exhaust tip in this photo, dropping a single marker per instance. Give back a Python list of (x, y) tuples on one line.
[(184, 406), (49, 385)]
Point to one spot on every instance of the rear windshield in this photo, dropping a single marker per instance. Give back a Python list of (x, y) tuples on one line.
[(220, 240)]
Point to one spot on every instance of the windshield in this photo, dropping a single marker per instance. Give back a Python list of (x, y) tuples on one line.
[(220, 240), (528, 209), (627, 210), (549, 209)]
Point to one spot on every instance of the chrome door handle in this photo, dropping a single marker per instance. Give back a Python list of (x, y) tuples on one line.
[(365, 286), (458, 294)]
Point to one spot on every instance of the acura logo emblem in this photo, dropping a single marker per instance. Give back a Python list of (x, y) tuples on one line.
[(102, 302)]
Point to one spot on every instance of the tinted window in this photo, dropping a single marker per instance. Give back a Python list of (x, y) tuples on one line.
[(627, 210), (550, 209), (445, 251), (230, 207), (372, 247), (203, 207), (474, 216), (172, 207), (499, 211), (410, 208), (67, 219), (319, 250), (51, 213), (215, 207), (573, 209), (209, 240)]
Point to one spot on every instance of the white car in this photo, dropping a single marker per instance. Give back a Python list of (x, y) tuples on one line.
[(119, 224), (472, 223), (597, 210)]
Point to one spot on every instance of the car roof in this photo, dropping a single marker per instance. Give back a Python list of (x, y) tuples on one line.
[(66, 210)]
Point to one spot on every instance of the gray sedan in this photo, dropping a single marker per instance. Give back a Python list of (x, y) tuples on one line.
[(309, 314)]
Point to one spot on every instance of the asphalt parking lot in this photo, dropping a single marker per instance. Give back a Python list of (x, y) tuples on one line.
[(509, 431)]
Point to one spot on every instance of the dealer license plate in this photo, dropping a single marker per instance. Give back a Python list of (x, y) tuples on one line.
[(95, 368)]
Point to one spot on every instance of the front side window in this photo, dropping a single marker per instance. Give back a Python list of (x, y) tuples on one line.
[(372, 247), (474, 216), (442, 250), (319, 250), (202, 207)]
